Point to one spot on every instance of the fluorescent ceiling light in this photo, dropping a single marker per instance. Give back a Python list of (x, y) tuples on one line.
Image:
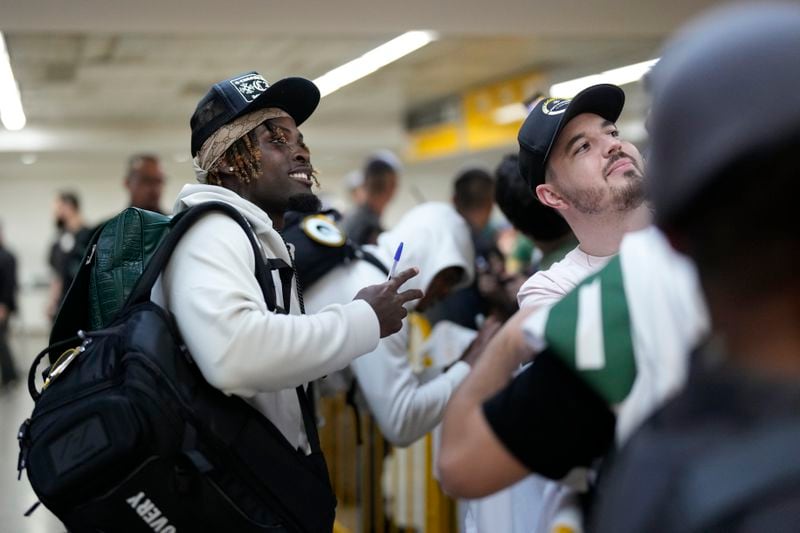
[(373, 60), (617, 76), (11, 112)]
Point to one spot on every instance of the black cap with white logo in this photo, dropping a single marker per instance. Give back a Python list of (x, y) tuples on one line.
[(245, 93), (548, 117)]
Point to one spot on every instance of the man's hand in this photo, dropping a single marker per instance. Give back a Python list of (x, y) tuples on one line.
[(388, 303)]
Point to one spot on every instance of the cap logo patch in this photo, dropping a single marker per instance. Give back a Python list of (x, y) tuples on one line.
[(322, 230), (250, 86), (554, 106)]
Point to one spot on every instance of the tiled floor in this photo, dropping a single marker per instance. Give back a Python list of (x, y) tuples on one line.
[(17, 496)]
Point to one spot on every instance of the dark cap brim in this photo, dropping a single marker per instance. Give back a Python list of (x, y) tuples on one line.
[(297, 96)]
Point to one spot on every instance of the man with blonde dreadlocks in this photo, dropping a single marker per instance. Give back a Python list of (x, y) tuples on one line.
[(249, 154)]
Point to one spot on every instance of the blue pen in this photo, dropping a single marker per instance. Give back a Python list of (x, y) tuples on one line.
[(397, 255)]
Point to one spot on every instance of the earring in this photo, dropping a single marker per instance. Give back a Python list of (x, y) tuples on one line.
[(230, 169)]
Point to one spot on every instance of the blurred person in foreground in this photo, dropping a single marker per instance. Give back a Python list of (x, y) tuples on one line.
[(8, 305), (67, 251), (722, 456), (362, 223)]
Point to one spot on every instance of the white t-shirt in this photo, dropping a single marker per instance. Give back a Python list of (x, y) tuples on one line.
[(548, 286)]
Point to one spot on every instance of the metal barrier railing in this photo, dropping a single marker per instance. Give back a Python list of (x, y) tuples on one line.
[(382, 489)]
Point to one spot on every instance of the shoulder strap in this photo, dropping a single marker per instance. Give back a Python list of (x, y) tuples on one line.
[(73, 312), (309, 420), (286, 273)]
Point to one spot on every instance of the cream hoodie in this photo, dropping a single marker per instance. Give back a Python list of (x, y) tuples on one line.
[(434, 237), (241, 347)]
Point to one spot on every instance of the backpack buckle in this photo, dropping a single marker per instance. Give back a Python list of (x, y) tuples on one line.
[(65, 359)]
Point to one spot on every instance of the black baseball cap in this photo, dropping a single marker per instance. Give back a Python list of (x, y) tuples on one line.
[(725, 89), (548, 117), (248, 92)]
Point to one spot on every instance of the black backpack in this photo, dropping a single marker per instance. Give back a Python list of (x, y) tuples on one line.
[(126, 435)]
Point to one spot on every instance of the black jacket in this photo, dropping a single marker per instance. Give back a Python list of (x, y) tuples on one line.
[(8, 279)]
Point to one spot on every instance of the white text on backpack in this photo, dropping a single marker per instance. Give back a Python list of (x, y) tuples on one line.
[(151, 514)]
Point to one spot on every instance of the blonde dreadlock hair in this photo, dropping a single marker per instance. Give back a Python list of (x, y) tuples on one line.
[(244, 156)]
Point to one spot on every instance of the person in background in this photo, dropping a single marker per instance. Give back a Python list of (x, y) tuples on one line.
[(437, 240), (144, 180), (473, 199), (362, 224), (354, 183), (547, 230), (67, 251), (8, 305)]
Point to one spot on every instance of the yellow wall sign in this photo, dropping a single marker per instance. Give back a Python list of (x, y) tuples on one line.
[(435, 141), (493, 114), (486, 117)]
